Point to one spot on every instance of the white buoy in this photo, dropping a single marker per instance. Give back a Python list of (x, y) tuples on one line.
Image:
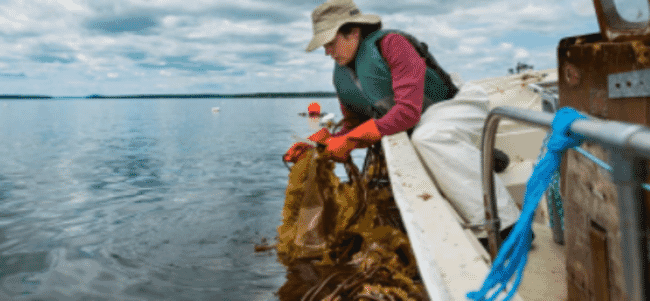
[(215, 109), (327, 117), (327, 120)]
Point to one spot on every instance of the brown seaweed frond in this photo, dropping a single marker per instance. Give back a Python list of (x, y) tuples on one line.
[(345, 241)]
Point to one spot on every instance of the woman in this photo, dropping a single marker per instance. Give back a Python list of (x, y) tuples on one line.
[(387, 82)]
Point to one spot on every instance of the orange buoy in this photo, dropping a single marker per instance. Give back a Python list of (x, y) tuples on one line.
[(313, 109)]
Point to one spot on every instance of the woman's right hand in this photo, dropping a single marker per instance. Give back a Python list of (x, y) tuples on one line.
[(294, 154)]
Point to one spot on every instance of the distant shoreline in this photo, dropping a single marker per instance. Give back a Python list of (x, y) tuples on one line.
[(159, 96), (24, 97), (238, 95)]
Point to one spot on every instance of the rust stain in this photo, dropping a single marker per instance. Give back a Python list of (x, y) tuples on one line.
[(642, 52), (425, 196), (571, 74), (598, 103), (596, 47)]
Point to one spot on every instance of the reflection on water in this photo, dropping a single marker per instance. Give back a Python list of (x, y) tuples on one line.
[(141, 199)]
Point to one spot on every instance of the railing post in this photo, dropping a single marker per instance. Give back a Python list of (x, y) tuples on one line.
[(628, 174), (492, 221)]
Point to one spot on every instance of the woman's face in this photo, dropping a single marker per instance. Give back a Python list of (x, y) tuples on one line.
[(343, 48)]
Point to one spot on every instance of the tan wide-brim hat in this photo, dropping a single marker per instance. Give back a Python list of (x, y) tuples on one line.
[(330, 16)]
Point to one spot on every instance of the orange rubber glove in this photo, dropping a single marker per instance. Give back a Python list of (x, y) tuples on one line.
[(364, 135), (298, 149), (320, 136), (295, 153)]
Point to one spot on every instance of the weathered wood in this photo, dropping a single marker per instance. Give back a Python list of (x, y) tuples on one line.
[(590, 198), (599, 260)]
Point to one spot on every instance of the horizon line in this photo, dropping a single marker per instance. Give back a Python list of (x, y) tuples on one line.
[(182, 95)]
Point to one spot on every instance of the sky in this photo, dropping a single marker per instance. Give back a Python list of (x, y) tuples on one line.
[(118, 47)]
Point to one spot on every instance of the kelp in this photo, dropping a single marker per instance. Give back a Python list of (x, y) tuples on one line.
[(344, 240)]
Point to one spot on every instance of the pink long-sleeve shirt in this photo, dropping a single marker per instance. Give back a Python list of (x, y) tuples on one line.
[(407, 70)]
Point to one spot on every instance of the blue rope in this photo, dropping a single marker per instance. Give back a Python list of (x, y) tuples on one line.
[(513, 254), (603, 165)]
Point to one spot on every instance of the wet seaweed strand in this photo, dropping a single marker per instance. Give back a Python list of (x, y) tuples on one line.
[(352, 244)]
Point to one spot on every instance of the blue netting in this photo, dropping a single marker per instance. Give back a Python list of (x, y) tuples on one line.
[(513, 254), (554, 201), (553, 198)]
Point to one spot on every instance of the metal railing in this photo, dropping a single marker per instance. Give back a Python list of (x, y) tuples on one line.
[(629, 145)]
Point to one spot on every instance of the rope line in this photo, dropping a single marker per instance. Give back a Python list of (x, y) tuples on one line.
[(513, 255)]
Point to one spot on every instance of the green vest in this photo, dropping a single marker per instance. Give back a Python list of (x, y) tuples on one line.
[(369, 92)]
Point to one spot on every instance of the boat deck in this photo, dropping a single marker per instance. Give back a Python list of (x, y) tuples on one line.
[(545, 274)]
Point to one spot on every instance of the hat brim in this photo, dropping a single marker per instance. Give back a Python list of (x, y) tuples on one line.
[(326, 36)]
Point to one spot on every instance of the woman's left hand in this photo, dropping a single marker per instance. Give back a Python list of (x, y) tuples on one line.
[(339, 148)]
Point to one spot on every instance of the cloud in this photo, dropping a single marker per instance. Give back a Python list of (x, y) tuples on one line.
[(136, 55), (12, 75), (71, 6), (263, 57), (52, 59), (521, 53), (250, 13), (132, 46), (184, 63), (583, 8), (115, 25), (505, 46), (53, 53), (466, 50), (208, 87), (414, 7)]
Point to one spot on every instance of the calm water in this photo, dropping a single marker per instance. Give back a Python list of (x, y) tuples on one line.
[(143, 199)]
